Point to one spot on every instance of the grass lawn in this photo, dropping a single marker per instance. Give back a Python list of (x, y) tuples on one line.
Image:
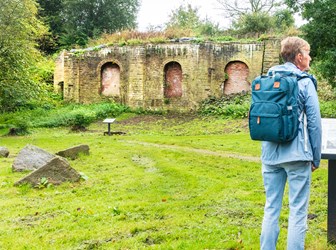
[(169, 183)]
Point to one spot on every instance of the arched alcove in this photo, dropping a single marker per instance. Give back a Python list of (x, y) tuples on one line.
[(172, 80), (237, 74), (110, 79)]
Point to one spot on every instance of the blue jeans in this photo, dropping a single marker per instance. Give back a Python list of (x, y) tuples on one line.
[(275, 177)]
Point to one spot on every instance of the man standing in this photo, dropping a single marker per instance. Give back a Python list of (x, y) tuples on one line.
[(292, 161)]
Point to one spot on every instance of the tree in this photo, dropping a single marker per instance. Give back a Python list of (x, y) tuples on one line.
[(20, 28), (320, 33), (254, 17), (73, 22), (184, 17), (283, 19), (83, 19), (235, 9), (254, 24), (295, 5), (50, 13), (187, 20)]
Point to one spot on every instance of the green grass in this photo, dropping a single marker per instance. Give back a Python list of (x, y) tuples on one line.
[(169, 183)]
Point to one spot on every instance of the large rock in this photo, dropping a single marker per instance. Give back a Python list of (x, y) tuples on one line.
[(56, 171), (4, 152), (74, 152), (31, 158)]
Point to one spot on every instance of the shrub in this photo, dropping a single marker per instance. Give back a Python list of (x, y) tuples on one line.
[(81, 119), (19, 127), (230, 106), (325, 91), (328, 109), (77, 116)]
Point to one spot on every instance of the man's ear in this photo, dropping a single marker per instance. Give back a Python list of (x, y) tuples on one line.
[(299, 57)]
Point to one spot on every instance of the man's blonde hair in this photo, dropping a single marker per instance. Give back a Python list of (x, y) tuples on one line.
[(291, 46)]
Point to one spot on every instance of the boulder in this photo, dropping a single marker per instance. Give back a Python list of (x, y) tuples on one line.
[(74, 152), (31, 158), (56, 171), (4, 152)]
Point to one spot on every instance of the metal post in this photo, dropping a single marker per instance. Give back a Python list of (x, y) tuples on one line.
[(109, 128), (331, 201)]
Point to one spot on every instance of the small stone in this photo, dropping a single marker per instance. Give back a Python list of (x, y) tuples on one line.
[(74, 152), (4, 152)]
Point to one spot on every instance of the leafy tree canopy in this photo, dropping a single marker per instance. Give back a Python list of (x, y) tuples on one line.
[(254, 24), (75, 21), (320, 33), (184, 17), (19, 27), (187, 19), (256, 17)]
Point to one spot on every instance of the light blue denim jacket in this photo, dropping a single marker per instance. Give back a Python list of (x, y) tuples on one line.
[(307, 145)]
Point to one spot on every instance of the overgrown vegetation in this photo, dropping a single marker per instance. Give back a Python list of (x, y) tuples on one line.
[(327, 98), (319, 31), (20, 27), (76, 116), (230, 106), (79, 116)]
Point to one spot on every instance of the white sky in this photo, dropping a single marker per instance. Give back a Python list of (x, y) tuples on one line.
[(156, 12)]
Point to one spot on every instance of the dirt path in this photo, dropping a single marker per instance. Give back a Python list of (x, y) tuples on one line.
[(195, 150)]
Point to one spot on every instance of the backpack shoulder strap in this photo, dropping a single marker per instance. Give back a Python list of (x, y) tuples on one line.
[(310, 76)]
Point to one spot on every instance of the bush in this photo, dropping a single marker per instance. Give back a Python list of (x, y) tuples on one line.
[(81, 119), (325, 91), (19, 127), (77, 116), (328, 109), (230, 106)]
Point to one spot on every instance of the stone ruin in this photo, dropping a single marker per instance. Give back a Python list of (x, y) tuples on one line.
[(177, 75)]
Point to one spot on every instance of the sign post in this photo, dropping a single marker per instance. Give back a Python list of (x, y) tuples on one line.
[(329, 153), (109, 121)]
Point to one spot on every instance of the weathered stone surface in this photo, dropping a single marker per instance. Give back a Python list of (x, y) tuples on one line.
[(57, 171), (171, 76), (74, 152), (31, 158), (4, 152)]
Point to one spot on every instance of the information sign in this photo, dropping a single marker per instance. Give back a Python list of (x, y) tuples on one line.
[(328, 136)]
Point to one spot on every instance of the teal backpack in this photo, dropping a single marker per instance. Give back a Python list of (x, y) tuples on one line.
[(273, 114)]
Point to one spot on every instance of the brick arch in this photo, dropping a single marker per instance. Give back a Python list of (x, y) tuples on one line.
[(102, 62), (237, 77), (110, 79), (172, 79)]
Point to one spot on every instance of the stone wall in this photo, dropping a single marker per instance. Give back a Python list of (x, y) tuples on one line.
[(149, 74)]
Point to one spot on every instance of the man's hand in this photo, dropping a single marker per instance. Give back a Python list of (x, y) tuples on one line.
[(313, 168)]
